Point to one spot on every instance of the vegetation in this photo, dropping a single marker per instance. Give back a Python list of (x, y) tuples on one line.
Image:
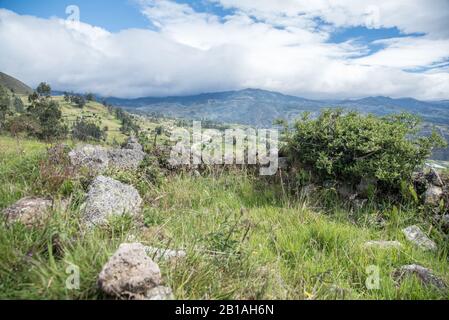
[(349, 147), (85, 130)]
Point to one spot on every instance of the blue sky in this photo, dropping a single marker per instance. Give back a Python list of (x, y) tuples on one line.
[(322, 49)]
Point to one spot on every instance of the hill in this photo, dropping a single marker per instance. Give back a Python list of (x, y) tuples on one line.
[(14, 85), (260, 107)]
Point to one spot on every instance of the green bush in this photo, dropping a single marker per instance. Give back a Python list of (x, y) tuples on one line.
[(85, 130), (349, 146)]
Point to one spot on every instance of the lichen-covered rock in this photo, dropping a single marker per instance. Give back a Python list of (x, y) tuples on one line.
[(31, 211), (433, 195), (125, 158), (159, 293), (130, 273), (382, 244), (415, 235), (94, 158), (108, 197), (425, 275)]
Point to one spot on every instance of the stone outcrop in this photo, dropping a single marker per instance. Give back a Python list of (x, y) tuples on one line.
[(425, 275), (415, 235), (108, 197)]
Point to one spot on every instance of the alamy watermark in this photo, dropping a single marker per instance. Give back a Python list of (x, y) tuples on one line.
[(233, 146)]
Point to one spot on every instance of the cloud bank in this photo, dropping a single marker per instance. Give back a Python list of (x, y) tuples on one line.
[(275, 45)]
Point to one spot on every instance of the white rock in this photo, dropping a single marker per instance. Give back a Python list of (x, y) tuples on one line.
[(433, 195), (383, 244), (419, 238)]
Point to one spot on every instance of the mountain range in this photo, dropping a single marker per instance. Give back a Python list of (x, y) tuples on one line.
[(260, 107)]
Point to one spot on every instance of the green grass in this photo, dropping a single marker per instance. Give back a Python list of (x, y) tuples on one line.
[(245, 239)]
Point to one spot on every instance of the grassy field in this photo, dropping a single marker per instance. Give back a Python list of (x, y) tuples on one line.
[(245, 238)]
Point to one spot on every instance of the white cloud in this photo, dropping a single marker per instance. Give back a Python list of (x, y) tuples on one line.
[(284, 49)]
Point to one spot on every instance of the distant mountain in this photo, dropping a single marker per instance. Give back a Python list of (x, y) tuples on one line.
[(14, 85), (260, 107)]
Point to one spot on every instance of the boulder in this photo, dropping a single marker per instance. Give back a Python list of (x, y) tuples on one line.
[(419, 238), (128, 157), (434, 178), (382, 244), (130, 273), (30, 211), (433, 195), (425, 275), (108, 197), (95, 158)]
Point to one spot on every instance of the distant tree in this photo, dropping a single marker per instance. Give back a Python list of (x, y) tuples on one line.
[(66, 96), (24, 124), (78, 100), (85, 130), (48, 113), (157, 132), (5, 102), (43, 89), (18, 105), (90, 97)]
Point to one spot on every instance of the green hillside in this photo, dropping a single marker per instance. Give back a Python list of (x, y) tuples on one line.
[(14, 85)]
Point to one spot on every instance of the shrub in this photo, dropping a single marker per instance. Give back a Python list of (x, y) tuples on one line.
[(349, 146), (84, 130)]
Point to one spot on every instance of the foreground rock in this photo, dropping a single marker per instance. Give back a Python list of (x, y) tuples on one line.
[(108, 197), (93, 158), (381, 244), (419, 238), (425, 275), (131, 274), (165, 254), (129, 157), (31, 211)]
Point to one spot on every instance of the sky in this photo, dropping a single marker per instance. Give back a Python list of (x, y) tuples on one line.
[(326, 49)]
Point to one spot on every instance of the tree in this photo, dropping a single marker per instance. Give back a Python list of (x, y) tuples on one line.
[(43, 89), (48, 113), (5, 102), (90, 96), (157, 132), (18, 105), (84, 130), (24, 124), (79, 101)]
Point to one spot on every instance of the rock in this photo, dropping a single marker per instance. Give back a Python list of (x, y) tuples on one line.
[(164, 254), (159, 293), (108, 197), (425, 275), (417, 237), (433, 195), (95, 158), (434, 178), (30, 211), (130, 273), (129, 157), (381, 244)]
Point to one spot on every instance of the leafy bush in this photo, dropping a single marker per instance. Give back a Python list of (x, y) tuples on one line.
[(349, 146), (85, 130)]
